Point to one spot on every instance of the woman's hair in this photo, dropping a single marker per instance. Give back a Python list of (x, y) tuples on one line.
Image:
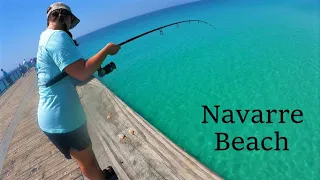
[(60, 14), (75, 42)]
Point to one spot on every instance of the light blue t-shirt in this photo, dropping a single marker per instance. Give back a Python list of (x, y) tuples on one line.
[(60, 109)]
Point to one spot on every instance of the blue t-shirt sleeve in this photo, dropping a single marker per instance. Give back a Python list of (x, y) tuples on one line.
[(62, 49)]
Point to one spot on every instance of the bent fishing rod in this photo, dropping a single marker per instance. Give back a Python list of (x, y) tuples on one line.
[(111, 66)]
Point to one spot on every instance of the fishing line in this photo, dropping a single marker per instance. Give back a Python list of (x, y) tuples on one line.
[(111, 66)]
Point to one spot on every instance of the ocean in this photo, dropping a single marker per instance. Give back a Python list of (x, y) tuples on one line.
[(261, 55)]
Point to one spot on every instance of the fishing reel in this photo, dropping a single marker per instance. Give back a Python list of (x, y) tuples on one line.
[(107, 69)]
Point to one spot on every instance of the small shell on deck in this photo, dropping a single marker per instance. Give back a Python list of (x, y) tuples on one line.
[(121, 136), (131, 131), (109, 116)]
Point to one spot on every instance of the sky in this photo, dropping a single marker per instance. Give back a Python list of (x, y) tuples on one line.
[(22, 22)]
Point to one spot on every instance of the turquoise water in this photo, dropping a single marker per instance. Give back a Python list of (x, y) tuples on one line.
[(261, 56)]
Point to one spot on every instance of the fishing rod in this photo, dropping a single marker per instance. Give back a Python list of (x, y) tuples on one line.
[(111, 66)]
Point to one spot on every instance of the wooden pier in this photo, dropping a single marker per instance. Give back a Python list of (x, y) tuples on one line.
[(145, 154)]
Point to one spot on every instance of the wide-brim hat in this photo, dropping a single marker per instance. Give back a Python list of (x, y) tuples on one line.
[(60, 5)]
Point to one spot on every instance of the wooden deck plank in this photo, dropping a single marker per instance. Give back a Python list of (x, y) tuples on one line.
[(31, 155), (35, 154), (74, 175), (5, 120), (136, 150), (39, 170), (177, 153), (29, 137), (158, 160), (15, 120), (146, 155), (159, 152), (79, 178), (68, 171), (58, 168), (27, 130), (8, 105)]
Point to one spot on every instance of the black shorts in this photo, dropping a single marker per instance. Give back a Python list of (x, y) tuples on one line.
[(78, 139)]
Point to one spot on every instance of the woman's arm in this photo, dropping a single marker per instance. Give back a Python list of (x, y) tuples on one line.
[(83, 70), (77, 82)]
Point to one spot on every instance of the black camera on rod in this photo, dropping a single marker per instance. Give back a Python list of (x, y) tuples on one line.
[(107, 69)]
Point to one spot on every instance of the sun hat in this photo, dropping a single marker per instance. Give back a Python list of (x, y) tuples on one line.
[(60, 5)]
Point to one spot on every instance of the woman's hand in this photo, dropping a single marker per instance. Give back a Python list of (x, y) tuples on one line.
[(113, 48), (83, 70)]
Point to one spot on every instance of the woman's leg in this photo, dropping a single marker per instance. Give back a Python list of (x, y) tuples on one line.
[(88, 163), (77, 145)]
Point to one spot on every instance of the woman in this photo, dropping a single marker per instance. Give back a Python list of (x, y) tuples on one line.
[(60, 113)]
